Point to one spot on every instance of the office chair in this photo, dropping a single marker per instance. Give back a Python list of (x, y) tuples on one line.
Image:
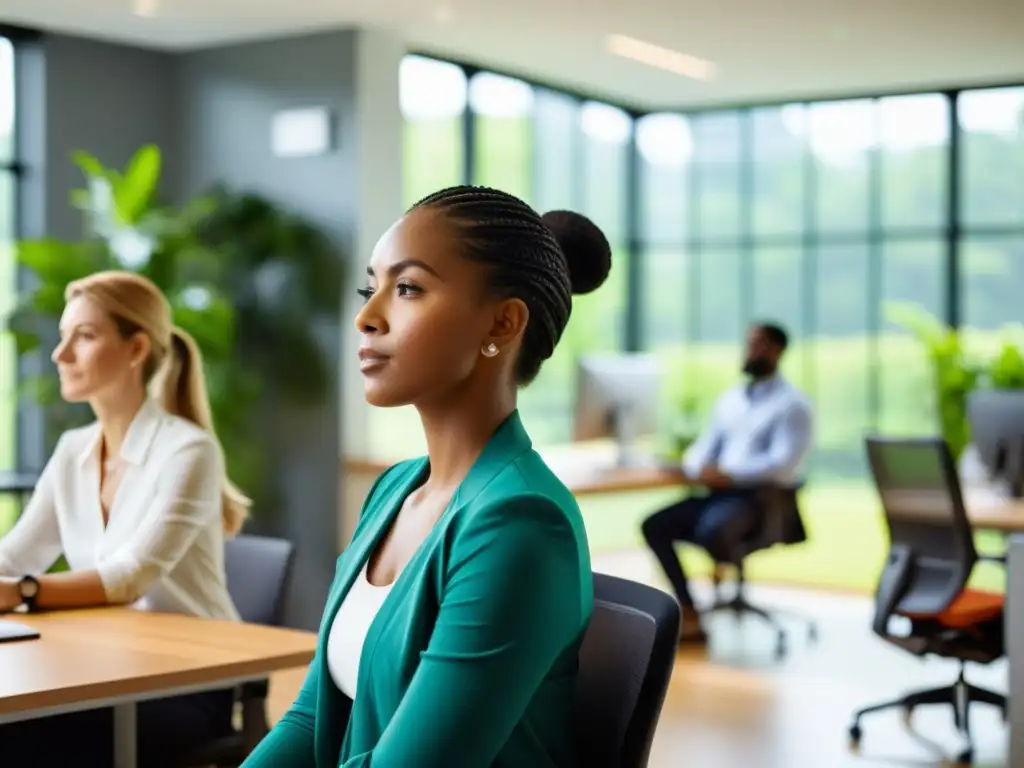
[(931, 556), (258, 571), (780, 523), (626, 660)]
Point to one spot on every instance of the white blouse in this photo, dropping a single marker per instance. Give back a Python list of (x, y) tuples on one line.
[(348, 631), (163, 546)]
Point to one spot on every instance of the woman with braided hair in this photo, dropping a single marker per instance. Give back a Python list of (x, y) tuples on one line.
[(452, 630)]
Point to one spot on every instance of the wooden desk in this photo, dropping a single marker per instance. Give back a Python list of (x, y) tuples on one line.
[(582, 478), (989, 512), (117, 656), (592, 471)]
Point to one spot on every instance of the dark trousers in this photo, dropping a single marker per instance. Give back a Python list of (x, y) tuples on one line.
[(167, 730), (714, 522)]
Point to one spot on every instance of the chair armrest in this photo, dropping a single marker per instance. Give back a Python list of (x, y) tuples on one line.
[(891, 587)]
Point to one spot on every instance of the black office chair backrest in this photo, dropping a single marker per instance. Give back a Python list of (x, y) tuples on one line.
[(931, 542), (626, 661), (258, 570)]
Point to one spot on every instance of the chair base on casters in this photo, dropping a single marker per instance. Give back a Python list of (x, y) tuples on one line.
[(738, 605), (959, 696)]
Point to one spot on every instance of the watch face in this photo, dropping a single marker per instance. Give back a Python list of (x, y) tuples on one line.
[(29, 588)]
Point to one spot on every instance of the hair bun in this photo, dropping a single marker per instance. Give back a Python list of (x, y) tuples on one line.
[(585, 247)]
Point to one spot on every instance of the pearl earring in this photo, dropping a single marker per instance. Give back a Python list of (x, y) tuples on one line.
[(490, 350)]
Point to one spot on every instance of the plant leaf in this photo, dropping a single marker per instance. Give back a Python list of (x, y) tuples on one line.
[(89, 164), (135, 189)]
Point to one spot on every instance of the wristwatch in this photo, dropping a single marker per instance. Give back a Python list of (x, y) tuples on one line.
[(28, 588)]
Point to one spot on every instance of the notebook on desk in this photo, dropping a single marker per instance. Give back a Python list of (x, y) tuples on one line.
[(12, 630)]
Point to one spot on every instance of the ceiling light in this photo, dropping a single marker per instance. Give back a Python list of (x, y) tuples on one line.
[(663, 58)]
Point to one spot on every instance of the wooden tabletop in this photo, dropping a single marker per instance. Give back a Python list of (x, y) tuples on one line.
[(107, 654), (992, 512), (587, 474), (591, 471)]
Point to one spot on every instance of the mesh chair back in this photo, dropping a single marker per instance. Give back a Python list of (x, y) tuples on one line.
[(920, 492), (626, 661), (258, 571)]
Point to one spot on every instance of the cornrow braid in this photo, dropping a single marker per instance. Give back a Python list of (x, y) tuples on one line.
[(525, 261)]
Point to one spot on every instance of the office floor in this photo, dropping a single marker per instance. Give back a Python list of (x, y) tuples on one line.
[(734, 706)]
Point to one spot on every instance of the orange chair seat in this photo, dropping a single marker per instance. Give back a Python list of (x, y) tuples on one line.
[(972, 606)]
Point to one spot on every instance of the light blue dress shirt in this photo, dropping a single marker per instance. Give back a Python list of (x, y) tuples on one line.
[(758, 433)]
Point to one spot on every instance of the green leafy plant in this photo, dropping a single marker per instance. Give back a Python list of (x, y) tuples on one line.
[(245, 278), (954, 374), (1006, 371)]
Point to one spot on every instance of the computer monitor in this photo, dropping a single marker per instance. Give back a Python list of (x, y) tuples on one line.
[(617, 396), (997, 430)]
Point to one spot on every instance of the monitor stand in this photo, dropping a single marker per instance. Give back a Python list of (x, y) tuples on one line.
[(11, 631), (628, 456)]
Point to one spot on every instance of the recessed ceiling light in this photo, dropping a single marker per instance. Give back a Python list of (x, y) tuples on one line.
[(663, 58)]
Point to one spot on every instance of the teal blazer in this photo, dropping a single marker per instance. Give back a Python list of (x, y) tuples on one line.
[(472, 660)]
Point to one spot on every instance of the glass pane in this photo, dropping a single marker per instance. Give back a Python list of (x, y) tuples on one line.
[(841, 136), (778, 137), (433, 99), (665, 310), (665, 147), (779, 278), (597, 319), (716, 153), (914, 138), (991, 276), (8, 361), (992, 158), (556, 141), (913, 273), (596, 325), (501, 113), (6, 100), (665, 317), (606, 145), (720, 331), (842, 360)]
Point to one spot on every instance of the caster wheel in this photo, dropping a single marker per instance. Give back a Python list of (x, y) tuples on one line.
[(780, 651), (906, 715), (965, 758), (855, 734)]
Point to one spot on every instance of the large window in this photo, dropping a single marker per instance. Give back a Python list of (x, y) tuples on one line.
[(8, 271), (821, 216), (8, 277), (818, 215)]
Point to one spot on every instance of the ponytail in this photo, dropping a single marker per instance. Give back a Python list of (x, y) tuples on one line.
[(181, 390)]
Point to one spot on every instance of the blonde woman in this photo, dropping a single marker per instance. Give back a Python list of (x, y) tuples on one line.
[(138, 503)]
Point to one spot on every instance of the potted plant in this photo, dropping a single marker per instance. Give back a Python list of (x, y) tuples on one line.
[(954, 374), (245, 278)]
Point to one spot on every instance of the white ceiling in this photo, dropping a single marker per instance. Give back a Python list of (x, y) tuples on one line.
[(762, 49)]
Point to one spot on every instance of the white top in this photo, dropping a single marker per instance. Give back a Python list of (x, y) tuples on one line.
[(758, 433), (348, 631), (163, 546)]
